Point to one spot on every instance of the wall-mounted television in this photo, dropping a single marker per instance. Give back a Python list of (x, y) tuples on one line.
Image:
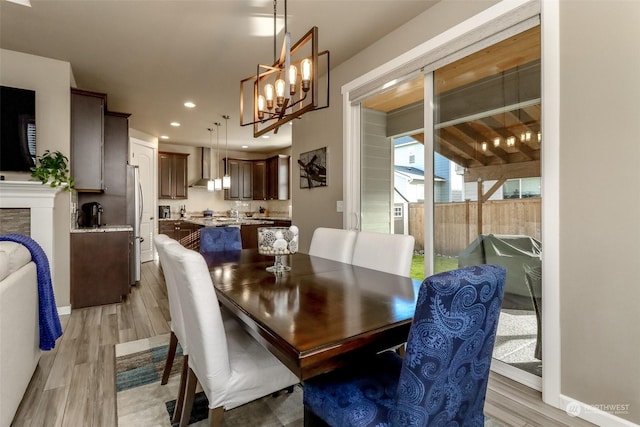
[(17, 129)]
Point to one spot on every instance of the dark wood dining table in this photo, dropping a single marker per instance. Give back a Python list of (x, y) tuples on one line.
[(319, 316)]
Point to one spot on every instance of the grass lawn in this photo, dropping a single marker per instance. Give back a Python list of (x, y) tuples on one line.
[(441, 264)]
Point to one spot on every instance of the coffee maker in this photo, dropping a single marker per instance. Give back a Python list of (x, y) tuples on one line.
[(91, 214)]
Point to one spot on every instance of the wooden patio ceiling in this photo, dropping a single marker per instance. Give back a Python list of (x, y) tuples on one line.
[(483, 110)]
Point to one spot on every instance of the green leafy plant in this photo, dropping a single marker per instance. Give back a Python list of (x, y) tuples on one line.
[(51, 168)]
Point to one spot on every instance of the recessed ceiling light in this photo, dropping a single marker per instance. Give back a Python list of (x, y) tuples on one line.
[(189, 104), (245, 146), (265, 136), (164, 137), (175, 124)]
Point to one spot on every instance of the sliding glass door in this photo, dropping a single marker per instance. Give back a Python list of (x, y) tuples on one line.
[(487, 183), (452, 157)]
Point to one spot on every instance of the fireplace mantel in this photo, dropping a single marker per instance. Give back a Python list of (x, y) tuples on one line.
[(40, 199)]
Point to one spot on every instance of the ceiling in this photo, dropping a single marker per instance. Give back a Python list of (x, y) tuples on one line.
[(150, 57)]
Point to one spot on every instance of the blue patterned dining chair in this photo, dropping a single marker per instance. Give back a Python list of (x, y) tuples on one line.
[(442, 380), (216, 239)]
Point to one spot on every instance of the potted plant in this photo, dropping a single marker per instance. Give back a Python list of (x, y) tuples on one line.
[(52, 168)]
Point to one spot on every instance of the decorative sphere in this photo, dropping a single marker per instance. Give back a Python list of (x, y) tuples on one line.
[(280, 244), (294, 229)]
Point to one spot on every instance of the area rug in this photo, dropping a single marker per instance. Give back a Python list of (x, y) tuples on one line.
[(142, 401)]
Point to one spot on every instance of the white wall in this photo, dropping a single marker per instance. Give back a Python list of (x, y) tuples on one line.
[(600, 203), (51, 79)]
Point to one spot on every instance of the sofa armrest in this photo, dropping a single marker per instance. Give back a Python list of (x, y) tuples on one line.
[(19, 337)]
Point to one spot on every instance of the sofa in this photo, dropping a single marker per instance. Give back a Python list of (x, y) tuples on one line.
[(19, 328)]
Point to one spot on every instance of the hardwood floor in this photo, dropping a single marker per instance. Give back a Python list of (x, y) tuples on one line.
[(74, 384)]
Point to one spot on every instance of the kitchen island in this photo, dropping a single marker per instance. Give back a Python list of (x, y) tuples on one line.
[(187, 230)]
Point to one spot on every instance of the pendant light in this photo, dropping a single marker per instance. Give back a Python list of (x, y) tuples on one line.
[(218, 181), (226, 179), (210, 182)]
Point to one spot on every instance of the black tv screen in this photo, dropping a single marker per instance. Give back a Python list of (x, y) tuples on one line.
[(17, 129)]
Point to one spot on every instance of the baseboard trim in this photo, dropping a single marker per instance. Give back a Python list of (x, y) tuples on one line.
[(64, 310)]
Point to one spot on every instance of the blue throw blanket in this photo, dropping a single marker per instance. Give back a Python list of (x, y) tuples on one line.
[(50, 328)]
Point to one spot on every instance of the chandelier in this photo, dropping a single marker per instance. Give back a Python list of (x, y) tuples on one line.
[(289, 88)]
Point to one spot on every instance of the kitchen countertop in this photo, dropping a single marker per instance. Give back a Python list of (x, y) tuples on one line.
[(223, 221), (103, 229), (242, 218)]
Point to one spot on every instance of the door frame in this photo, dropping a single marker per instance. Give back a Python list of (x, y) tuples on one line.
[(143, 140)]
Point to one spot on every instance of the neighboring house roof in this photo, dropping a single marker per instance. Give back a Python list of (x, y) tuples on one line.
[(404, 140)]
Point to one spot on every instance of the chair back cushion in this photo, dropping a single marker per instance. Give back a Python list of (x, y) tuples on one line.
[(446, 367), (216, 239), (208, 355), (177, 324), (333, 243), (391, 253)]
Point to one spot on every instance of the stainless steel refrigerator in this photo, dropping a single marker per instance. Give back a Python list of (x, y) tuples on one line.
[(135, 205)]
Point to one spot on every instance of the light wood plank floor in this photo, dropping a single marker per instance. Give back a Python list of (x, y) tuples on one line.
[(74, 384)]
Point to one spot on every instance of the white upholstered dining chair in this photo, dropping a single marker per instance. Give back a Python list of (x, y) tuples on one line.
[(178, 335), (232, 367), (333, 243), (391, 253)]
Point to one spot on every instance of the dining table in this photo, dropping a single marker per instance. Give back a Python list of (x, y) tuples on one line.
[(319, 316)]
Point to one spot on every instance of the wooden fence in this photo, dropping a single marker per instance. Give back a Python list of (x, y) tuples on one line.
[(456, 224)]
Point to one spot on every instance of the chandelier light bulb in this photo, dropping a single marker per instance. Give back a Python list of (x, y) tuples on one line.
[(280, 92), (305, 67), (261, 106), (484, 146), (511, 141), (496, 142), (293, 75), (268, 95)]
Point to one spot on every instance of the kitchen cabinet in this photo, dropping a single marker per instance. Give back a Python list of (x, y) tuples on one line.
[(241, 173), (87, 139), (278, 177), (259, 180), (172, 175), (249, 235), (186, 233), (113, 198), (99, 267), (281, 223)]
